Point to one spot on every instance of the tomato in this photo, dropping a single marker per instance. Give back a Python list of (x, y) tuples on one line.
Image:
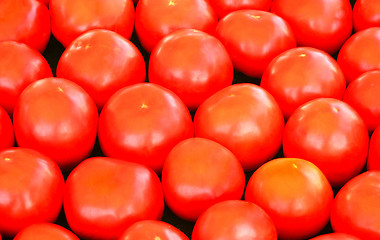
[(224, 7), (7, 139), (295, 194), (104, 196), (213, 174), (31, 187), (17, 72), (142, 123), (234, 220), (191, 63), (57, 118), (335, 236), (245, 119), (122, 64), (366, 14), (330, 134), (356, 207), (69, 19), (45, 231), (157, 18), (363, 95), (152, 229), (373, 162), (46, 2), (322, 24), (360, 53), (25, 21), (253, 38), (301, 74)]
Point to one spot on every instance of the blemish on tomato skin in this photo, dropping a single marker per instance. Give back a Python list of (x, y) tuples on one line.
[(143, 106)]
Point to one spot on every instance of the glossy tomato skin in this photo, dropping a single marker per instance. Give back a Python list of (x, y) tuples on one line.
[(356, 207), (57, 118), (25, 21), (301, 74), (322, 24), (330, 134), (32, 189), (363, 95), (234, 220), (373, 161), (104, 196), (173, 15), (69, 19), (244, 118), (213, 174), (224, 7), (17, 72), (295, 194), (253, 38), (142, 123), (366, 14), (191, 63), (152, 229), (335, 236), (121, 64), (360, 53), (7, 139), (45, 231)]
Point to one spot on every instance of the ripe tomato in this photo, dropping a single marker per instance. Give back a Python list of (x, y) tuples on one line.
[(366, 14), (295, 194), (363, 95), (57, 118), (25, 21), (322, 24), (245, 119), (373, 162), (213, 174), (360, 53), (224, 7), (46, 2), (335, 236), (253, 38), (31, 187), (45, 231), (234, 220), (142, 123), (20, 65), (7, 138), (104, 196), (356, 207), (300, 75), (152, 229), (330, 134), (191, 63), (157, 18), (69, 19), (122, 64)]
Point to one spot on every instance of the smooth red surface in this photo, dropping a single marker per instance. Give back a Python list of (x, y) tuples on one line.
[(373, 161), (224, 7), (7, 138), (335, 236), (45, 231), (104, 196), (191, 63), (366, 14)]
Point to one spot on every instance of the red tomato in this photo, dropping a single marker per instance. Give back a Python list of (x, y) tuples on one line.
[(122, 64), (69, 19), (323, 24), (245, 119), (142, 123), (373, 162), (363, 95), (300, 75), (152, 230), (213, 174), (26, 21), (335, 236), (7, 138), (253, 38), (224, 7), (104, 196), (360, 53), (157, 18), (330, 134), (20, 65), (234, 220), (295, 194), (356, 207), (45, 231), (31, 187), (366, 14), (46, 2), (191, 63), (58, 118)]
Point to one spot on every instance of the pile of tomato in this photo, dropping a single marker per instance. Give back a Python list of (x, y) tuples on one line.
[(190, 119)]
